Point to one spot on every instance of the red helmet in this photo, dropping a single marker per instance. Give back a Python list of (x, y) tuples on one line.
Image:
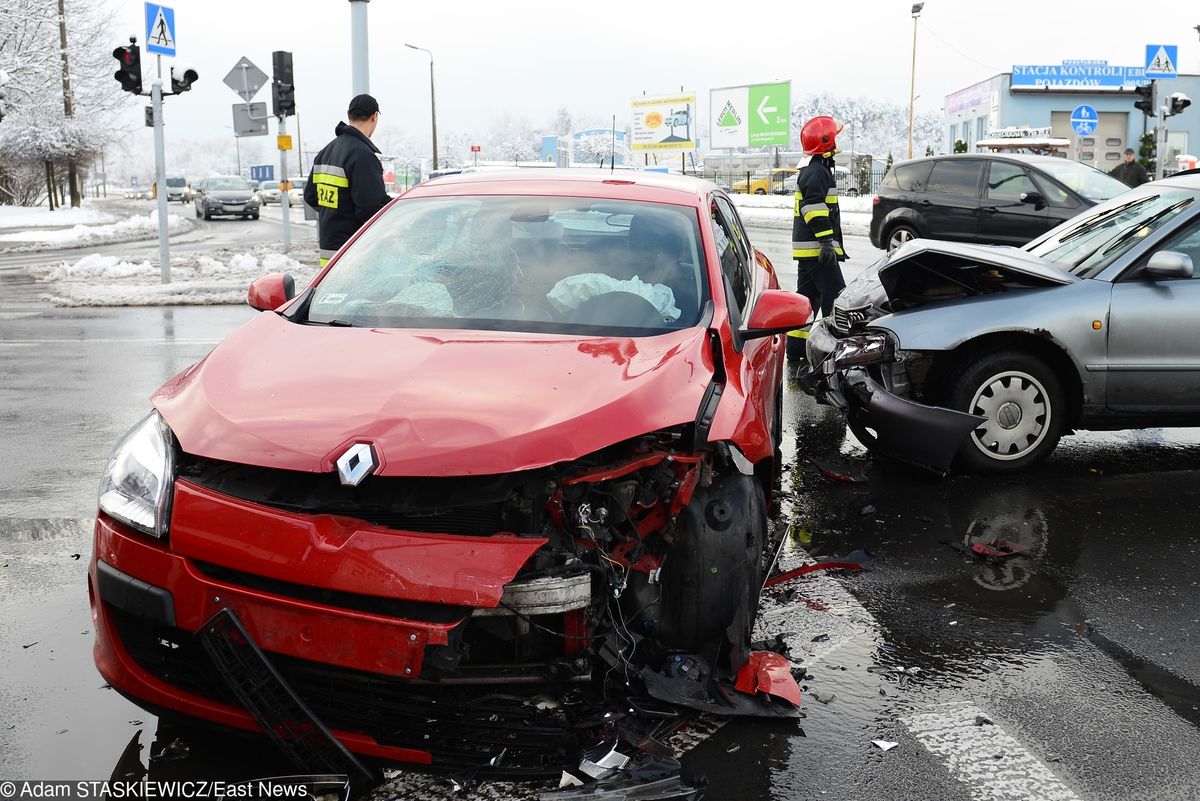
[(819, 135)]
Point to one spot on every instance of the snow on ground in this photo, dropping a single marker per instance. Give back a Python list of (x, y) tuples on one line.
[(80, 236), (219, 277), (775, 211), (22, 218)]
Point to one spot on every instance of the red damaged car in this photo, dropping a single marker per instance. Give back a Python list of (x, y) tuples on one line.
[(520, 431)]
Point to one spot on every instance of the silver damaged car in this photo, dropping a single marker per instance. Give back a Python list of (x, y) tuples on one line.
[(944, 353)]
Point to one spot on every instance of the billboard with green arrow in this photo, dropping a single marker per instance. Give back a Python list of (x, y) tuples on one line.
[(757, 115)]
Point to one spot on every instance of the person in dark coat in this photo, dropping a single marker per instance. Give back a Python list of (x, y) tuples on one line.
[(345, 184), (1130, 171)]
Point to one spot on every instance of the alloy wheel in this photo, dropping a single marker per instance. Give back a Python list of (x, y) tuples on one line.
[(1018, 413)]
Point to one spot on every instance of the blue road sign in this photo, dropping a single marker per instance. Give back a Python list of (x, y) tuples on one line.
[(1084, 120), (160, 29), (1162, 61), (262, 172)]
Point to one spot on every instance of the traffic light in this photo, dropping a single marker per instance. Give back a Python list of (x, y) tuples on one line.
[(1177, 102), (283, 89), (1146, 104), (129, 71), (182, 78)]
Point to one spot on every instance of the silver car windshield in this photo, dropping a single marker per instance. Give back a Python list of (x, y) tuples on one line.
[(1087, 181), (225, 184), (520, 263), (1090, 242)]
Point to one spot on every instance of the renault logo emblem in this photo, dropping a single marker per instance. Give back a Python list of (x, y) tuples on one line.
[(356, 463)]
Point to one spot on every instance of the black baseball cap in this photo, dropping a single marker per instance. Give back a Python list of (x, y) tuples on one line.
[(363, 105), (1129, 151)]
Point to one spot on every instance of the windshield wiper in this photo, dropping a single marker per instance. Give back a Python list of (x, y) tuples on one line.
[(1113, 243), (336, 323), (1092, 224)]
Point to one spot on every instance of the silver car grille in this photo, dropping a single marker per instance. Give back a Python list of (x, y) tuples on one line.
[(845, 320)]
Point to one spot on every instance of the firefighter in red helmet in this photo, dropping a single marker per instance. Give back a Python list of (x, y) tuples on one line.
[(817, 224)]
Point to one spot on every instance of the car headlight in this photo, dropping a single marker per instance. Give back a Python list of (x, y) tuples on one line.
[(860, 350), (136, 487)]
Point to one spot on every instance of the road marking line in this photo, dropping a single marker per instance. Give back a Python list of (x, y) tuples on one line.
[(986, 759)]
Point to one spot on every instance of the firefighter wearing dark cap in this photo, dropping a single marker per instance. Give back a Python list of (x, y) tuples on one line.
[(345, 184), (817, 225)]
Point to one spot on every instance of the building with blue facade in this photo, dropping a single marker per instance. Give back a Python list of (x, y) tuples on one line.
[(1045, 96)]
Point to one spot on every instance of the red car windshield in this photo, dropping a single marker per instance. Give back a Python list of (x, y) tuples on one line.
[(520, 263)]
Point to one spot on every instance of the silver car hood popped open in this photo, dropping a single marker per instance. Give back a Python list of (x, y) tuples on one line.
[(925, 271)]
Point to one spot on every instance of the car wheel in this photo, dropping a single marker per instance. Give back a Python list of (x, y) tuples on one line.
[(712, 577), (197, 209), (1025, 407), (899, 234), (760, 191), (852, 192), (254, 216), (207, 213)]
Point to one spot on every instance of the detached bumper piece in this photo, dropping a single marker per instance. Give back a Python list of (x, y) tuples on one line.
[(286, 719), (927, 436)]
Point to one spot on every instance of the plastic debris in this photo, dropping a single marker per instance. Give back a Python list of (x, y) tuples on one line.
[(569, 780), (602, 765), (867, 510), (983, 720), (884, 745), (995, 549), (990, 665), (861, 559), (846, 473), (820, 638), (733, 748), (824, 698)]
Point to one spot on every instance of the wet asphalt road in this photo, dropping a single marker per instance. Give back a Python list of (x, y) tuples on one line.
[(1082, 655)]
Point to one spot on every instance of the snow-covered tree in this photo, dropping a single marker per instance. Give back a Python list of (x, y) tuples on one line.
[(871, 125), (31, 54), (599, 148)]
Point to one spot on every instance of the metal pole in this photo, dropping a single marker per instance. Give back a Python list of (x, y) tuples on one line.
[(433, 112), (237, 141), (283, 195), (360, 69), (300, 145), (912, 88), (1160, 134), (160, 180)]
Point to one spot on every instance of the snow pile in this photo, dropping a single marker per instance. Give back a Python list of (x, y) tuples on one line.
[(127, 230), (775, 211), (219, 277), (22, 218)]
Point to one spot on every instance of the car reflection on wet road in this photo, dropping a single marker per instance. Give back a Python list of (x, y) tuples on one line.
[(1080, 653)]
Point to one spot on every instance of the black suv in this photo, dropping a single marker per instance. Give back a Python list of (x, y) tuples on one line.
[(988, 198)]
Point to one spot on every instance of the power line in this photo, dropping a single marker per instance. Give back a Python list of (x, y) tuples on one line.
[(931, 32)]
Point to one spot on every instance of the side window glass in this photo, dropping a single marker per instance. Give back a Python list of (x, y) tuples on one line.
[(729, 249), (1052, 191), (1007, 182), (956, 177), (912, 177)]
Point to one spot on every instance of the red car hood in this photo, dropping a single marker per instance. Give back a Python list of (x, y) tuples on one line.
[(434, 403)]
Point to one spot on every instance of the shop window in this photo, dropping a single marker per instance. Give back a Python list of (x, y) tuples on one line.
[(1112, 141), (1087, 156), (1087, 141), (1111, 156)]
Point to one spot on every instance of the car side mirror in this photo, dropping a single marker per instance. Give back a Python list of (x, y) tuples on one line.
[(1169, 264), (1036, 198), (777, 312), (272, 291)]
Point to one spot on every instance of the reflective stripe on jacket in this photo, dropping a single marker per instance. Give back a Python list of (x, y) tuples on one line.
[(816, 217), (345, 186)]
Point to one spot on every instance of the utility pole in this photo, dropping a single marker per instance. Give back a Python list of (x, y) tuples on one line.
[(432, 100), (68, 106), (360, 66), (912, 87)]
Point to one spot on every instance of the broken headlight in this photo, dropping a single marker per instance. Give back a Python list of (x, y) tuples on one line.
[(860, 350), (136, 487)]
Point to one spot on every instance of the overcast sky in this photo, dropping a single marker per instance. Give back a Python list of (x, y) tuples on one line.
[(527, 58)]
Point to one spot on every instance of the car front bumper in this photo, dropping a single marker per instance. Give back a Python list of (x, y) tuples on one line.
[(388, 602), (927, 436)]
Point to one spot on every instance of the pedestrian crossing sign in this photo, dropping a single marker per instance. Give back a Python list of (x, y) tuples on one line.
[(1162, 61), (160, 29)]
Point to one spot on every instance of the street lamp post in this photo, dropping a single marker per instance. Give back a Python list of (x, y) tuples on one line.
[(432, 101), (912, 90)]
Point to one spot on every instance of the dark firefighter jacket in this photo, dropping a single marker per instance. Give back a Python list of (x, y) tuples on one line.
[(816, 218), (345, 186)]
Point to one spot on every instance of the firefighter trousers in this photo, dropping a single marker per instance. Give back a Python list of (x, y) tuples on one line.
[(820, 284)]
